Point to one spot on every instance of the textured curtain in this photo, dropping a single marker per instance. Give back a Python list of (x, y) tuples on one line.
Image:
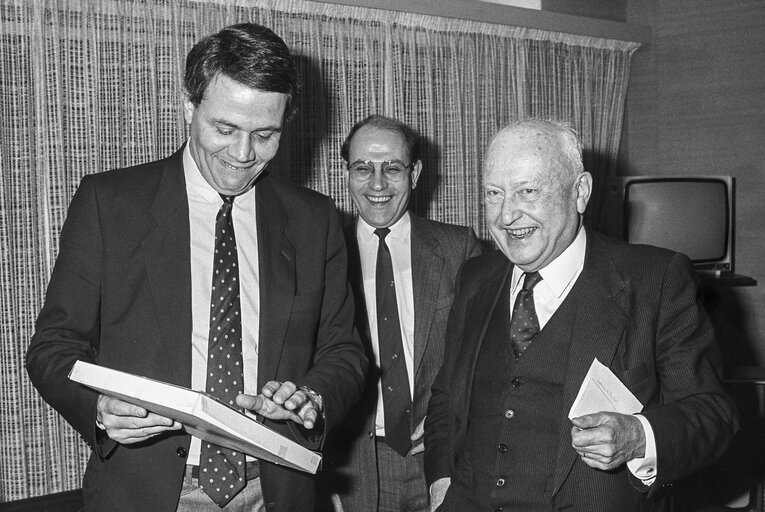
[(89, 85)]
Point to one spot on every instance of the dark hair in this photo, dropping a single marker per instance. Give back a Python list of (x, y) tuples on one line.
[(411, 137), (250, 54)]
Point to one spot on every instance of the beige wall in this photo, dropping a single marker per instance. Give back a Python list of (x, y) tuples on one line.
[(696, 105)]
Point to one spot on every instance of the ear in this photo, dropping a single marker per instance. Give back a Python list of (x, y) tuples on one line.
[(416, 173), (188, 108), (583, 191)]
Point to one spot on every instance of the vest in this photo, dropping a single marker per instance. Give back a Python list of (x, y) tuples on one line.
[(515, 415)]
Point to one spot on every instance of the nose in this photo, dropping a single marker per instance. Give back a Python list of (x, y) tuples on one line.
[(510, 211), (377, 181), (242, 149)]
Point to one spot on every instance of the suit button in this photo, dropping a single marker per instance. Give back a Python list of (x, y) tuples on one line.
[(515, 383), (502, 448), (509, 414), (371, 434), (500, 482), (181, 451)]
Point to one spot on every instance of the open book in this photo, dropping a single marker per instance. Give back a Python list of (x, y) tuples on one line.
[(202, 415)]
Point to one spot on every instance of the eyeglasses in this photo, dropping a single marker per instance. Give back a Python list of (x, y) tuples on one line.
[(393, 171)]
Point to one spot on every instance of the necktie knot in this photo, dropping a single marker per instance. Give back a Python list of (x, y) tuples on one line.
[(382, 233), (227, 199), (530, 280)]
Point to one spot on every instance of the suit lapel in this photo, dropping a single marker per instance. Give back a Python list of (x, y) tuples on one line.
[(168, 267), (597, 329), (356, 280), (427, 273), (276, 269), (479, 311)]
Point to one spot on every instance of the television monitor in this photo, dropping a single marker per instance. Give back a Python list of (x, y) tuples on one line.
[(688, 214)]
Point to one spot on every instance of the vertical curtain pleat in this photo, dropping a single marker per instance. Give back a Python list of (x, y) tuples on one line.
[(90, 85)]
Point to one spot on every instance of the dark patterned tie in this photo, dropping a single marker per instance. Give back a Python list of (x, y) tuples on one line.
[(397, 401), (222, 471), (524, 324)]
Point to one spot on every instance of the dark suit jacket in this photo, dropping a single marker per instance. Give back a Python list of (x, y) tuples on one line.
[(120, 296), (438, 251), (642, 319)]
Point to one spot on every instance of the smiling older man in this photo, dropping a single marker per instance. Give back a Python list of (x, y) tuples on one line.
[(527, 322)]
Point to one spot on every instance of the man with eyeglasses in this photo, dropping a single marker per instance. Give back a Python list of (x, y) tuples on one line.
[(402, 269)]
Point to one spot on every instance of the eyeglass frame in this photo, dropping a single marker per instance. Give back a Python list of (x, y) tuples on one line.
[(397, 177)]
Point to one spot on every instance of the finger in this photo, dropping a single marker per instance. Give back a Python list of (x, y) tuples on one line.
[(270, 388), (592, 437), (418, 448), (130, 436), (588, 420), (308, 415), (250, 402), (419, 431), (107, 405), (271, 410), (285, 391), (297, 400)]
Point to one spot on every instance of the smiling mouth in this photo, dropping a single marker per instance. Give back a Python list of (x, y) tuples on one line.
[(378, 199), (519, 234), (235, 167)]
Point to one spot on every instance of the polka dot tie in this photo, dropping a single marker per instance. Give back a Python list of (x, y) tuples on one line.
[(222, 471), (524, 324), (397, 401)]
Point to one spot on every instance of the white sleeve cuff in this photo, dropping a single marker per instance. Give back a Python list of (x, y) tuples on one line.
[(644, 468)]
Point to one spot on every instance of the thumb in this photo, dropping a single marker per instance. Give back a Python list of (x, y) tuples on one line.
[(250, 402), (587, 421), (419, 431)]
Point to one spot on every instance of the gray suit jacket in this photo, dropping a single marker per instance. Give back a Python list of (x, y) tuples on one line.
[(438, 252)]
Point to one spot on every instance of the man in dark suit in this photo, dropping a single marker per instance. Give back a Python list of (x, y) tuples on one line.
[(372, 467), (497, 434), (134, 284)]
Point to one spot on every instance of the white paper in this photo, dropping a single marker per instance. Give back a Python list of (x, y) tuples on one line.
[(601, 390)]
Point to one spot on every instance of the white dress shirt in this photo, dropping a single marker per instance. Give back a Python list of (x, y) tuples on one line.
[(204, 204), (399, 243), (558, 277)]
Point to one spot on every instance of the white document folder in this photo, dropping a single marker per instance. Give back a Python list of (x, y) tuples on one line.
[(202, 415)]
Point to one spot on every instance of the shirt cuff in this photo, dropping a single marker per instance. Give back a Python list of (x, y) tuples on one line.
[(644, 468)]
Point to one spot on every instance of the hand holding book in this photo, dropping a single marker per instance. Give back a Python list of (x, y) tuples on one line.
[(200, 414), (126, 423)]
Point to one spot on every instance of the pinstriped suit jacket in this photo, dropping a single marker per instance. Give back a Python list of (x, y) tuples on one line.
[(438, 251), (641, 317)]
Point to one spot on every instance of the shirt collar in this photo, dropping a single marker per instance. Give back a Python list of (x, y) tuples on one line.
[(557, 275), (399, 230)]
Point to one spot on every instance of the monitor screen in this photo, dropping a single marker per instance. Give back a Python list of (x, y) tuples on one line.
[(692, 215)]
